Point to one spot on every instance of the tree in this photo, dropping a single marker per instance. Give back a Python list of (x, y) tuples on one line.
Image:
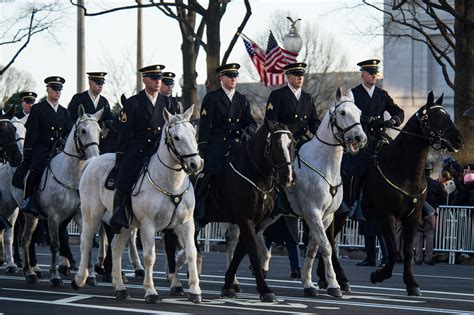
[(18, 30), (320, 52), (12, 82), (454, 21), (186, 15)]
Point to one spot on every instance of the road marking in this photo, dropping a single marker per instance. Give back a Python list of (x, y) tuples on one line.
[(435, 276)]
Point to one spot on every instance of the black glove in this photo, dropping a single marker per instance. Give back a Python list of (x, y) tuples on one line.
[(389, 123), (249, 132), (377, 124)]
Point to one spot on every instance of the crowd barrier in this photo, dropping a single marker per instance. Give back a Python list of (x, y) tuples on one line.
[(454, 232)]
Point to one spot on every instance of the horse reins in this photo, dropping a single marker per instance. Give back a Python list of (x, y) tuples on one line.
[(80, 147)]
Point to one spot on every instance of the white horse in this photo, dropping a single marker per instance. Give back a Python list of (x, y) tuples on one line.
[(58, 194), (8, 205), (163, 198), (317, 168)]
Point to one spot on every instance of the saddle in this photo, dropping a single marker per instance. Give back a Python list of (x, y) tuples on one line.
[(111, 179)]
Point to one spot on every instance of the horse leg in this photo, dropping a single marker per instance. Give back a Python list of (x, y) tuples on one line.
[(133, 255), (147, 234), (32, 250), (248, 236), (65, 250), (55, 279), (102, 251), (389, 227), (118, 246), (264, 253), (232, 235), (409, 229), (185, 234), (170, 240), (85, 272), (8, 235), (30, 226), (228, 289), (20, 221)]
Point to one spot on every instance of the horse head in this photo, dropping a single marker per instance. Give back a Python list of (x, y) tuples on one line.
[(86, 134), (437, 125), (280, 150), (8, 149), (180, 138), (20, 131), (344, 122)]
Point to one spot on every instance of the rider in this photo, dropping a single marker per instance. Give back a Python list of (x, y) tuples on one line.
[(225, 118), (27, 101), (292, 106), (47, 127), (142, 120), (91, 99), (165, 98)]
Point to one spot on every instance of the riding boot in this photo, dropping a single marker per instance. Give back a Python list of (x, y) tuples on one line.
[(4, 224), (202, 190), (30, 205), (356, 213), (427, 210), (120, 218)]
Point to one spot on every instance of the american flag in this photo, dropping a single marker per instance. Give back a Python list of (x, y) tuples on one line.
[(270, 63)]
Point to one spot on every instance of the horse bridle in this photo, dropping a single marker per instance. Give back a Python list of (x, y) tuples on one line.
[(340, 135), (3, 152), (80, 147), (180, 158), (268, 149)]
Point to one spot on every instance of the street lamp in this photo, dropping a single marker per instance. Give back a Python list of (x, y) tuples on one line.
[(293, 41)]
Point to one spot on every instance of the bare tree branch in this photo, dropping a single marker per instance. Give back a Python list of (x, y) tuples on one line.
[(248, 13), (129, 7)]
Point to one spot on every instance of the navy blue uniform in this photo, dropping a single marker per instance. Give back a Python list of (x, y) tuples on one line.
[(140, 131), (170, 103), (89, 108), (222, 122), (299, 115)]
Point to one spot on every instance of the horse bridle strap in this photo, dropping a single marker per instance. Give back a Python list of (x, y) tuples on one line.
[(81, 148), (263, 192), (61, 183), (332, 188), (415, 197), (340, 131), (171, 147)]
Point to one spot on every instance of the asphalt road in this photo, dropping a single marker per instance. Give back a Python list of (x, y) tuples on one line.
[(446, 289)]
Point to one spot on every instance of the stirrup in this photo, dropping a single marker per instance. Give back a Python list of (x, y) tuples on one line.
[(30, 207)]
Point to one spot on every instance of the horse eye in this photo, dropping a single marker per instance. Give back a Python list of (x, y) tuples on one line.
[(343, 112), (83, 131), (176, 138)]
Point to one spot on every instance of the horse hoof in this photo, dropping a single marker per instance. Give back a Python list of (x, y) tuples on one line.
[(19, 264), (323, 284), (268, 297), (99, 270), (139, 273), (414, 291), (64, 270), (74, 285), (91, 281), (336, 292), (123, 295), (310, 292), (195, 298), (11, 270), (345, 287), (32, 279), (176, 291), (153, 299), (39, 274), (237, 288), (228, 293), (56, 282)]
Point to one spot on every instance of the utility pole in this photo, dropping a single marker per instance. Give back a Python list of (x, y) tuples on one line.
[(139, 46), (81, 56)]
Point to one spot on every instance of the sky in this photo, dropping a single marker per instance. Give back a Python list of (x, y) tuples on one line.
[(111, 38)]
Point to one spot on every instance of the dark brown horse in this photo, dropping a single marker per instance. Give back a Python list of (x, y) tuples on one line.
[(395, 188)]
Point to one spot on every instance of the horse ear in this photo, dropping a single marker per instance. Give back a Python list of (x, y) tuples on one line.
[(270, 125), (350, 96), (98, 114), (11, 113), (187, 114), (338, 93), (439, 101), (80, 111), (430, 99), (123, 99), (167, 115)]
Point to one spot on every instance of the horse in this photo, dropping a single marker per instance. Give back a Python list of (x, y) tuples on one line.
[(395, 187), (8, 206), (163, 198), (58, 192), (317, 168), (9, 151)]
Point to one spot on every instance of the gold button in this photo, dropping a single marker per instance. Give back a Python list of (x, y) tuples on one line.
[(159, 128), (52, 128), (149, 140), (305, 116), (148, 128), (224, 138), (237, 120), (238, 132), (230, 120), (60, 128), (52, 138), (296, 115)]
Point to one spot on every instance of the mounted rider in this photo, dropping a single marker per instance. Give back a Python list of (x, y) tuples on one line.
[(27, 101), (47, 128), (139, 136), (226, 119)]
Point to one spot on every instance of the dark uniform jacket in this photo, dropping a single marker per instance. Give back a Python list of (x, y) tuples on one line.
[(89, 108), (300, 115), (170, 103), (20, 114), (436, 194), (222, 122), (44, 128), (372, 108), (140, 131)]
